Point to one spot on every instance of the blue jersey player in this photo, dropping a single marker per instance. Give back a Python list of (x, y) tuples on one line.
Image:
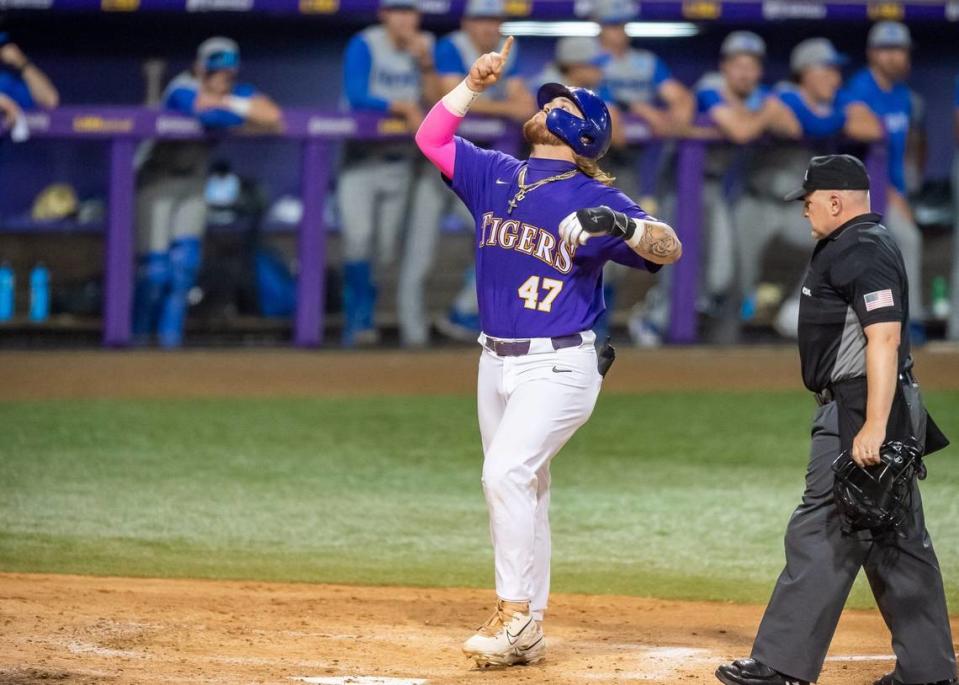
[(954, 311), (479, 33), (881, 85), (22, 81), (23, 87), (815, 116), (544, 229), (387, 68), (170, 207)]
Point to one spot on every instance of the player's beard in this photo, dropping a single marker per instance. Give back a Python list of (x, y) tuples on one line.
[(536, 133)]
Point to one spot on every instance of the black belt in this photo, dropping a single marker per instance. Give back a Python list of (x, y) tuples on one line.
[(826, 395), (518, 348)]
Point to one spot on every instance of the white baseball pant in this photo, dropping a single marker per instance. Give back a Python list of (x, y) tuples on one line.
[(529, 407)]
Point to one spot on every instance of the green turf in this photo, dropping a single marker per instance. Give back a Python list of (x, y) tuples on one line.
[(672, 495)]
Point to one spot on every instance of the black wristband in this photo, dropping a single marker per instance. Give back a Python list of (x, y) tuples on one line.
[(625, 231)]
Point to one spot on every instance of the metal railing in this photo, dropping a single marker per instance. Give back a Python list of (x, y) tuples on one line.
[(318, 132)]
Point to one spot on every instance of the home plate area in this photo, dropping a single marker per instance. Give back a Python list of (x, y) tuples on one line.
[(83, 629)]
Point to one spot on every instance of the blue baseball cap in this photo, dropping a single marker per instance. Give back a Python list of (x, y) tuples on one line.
[(4, 37), (571, 50), (485, 9), (399, 5), (815, 52), (743, 42), (614, 11), (889, 34), (218, 53)]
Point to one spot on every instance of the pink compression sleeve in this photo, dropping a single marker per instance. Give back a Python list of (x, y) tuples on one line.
[(435, 138)]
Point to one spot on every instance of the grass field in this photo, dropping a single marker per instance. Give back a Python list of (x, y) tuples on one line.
[(690, 503)]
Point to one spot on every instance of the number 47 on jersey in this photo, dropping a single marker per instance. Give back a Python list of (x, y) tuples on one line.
[(529, 292)]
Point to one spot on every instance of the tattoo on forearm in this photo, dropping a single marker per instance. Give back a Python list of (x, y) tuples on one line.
[(659, 243)]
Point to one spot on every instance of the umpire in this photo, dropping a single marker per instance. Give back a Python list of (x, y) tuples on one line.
[(854, 351)]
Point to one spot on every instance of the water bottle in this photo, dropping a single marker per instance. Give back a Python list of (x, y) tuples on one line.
[(940, 298), (39, 293), (7, 289)]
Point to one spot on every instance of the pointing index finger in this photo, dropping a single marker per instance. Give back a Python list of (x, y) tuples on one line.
[(507, 46)]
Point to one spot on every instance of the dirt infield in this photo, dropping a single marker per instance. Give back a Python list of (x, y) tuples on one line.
[(119, 630), (274, 373)]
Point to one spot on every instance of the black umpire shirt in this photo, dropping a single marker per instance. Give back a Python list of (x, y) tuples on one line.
[(856, 277)]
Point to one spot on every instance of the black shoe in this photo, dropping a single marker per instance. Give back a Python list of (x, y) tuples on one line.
[(751, 672), (890, 679)]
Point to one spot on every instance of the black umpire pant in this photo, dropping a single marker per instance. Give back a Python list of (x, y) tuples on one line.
[(821, 565)]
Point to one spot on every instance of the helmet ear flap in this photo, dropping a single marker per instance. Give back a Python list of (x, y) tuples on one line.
[(564, 126), (588, 135)]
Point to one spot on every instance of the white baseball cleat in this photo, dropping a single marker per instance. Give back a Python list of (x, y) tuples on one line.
[(509, 638)]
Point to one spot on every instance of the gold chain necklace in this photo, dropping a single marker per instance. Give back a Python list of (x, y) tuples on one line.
[(525, 189)]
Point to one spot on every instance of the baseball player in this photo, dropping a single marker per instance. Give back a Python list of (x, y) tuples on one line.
[(954, 310), (387, 68), (9, 111), (741, 109), (478, 34), (881, 86), (816, 116), (576, 59), (578, 63), (23, 81), (639, 83), (637, 79), (854, 353), (170, 207), (544, 229)]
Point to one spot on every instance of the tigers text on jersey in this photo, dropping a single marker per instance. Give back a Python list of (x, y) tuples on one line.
[(529, 284)]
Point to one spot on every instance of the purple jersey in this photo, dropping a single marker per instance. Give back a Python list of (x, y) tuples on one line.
[(529, 283)]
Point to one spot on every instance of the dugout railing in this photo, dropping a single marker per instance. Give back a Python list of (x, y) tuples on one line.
[(318, 133)]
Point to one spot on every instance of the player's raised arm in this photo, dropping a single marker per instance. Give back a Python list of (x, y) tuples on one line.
[(435, 135), (9, 111), (652, 240)]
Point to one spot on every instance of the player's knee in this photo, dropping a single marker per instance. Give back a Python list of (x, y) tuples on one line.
[(153, 270), (356, 249), (501, 476), (184, 263)]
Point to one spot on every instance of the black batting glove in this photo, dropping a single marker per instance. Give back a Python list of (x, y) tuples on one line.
[(584, 224)]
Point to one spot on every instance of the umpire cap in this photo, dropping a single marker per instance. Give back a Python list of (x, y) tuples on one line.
[(832, 172)]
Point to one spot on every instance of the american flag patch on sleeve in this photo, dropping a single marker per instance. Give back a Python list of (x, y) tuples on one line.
[(878, 299)]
